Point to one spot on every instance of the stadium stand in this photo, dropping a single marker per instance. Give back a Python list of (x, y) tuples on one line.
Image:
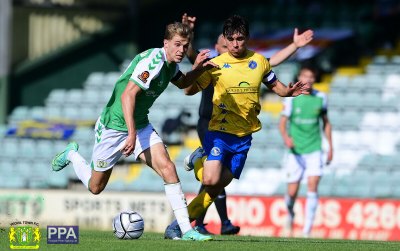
[(363, 108)]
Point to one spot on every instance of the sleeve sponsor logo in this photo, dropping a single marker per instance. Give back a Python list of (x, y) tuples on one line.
[(144, 76)]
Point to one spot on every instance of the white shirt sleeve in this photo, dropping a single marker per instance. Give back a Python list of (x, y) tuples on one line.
[(287, 106), (147, 69)]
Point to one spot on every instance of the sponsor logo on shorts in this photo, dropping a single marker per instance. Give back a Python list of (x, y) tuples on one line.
[(215, 151), (144, 76), (101, 164)]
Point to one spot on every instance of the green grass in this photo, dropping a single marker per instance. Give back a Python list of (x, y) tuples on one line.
[(100, 240)]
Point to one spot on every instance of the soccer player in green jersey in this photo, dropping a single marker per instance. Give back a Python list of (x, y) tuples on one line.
[(301, 132), (124, 129)]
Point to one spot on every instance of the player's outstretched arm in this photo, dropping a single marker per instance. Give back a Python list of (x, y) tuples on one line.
[(290, 90), (191, 52), (299, 40), (200, 65)]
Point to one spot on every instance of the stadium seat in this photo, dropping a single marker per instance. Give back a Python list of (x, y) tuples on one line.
[(91, 97), (97, 81), (10, 148), (44, 149), (395, 59), (89, 113), (19, 113), (28, 147), (57, 180), (380, 59), (370, 121), (3, 131), (56, 97), (54, 112), (256, 158), (71, 112), (326, 184), (37, 113), (272, 157), (7, 167), (74, 97), (13, 181)]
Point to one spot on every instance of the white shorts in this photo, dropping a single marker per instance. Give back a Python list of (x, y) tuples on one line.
[(299, 165), (109, 142)]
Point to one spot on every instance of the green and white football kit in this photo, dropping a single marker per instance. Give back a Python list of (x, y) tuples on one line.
[(304, 114), (152, 73)]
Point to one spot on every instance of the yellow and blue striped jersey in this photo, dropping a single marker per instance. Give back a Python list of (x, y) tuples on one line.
[(236, 100)]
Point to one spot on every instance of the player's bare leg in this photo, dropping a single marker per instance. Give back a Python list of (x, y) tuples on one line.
[(290, 198), (98, 181)]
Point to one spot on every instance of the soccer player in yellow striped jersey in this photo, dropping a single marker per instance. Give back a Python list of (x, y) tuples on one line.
[(236, 105)]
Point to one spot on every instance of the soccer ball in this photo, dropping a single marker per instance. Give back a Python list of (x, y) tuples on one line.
[(128, 225)]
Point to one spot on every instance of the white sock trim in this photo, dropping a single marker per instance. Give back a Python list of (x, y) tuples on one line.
[(311, 208), (177, 201), (81, 167)]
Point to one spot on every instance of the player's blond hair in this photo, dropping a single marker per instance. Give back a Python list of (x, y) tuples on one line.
[(177, 28)]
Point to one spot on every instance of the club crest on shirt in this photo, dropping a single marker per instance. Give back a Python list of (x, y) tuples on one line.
[(215, 151), (101, 163), (144, 76), (252, 64)]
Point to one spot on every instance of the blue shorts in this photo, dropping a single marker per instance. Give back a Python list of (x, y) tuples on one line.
[(230, 149)]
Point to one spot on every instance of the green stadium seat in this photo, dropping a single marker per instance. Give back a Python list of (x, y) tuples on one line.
[(3, 131), (13, 181), (28, 147), (56, 97), (37, 113), (19, 113), (54, 112), (44, 149), (57, 180), (10, 148)]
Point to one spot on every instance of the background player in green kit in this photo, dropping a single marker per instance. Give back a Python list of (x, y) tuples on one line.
[(301, 132), (124, 129)]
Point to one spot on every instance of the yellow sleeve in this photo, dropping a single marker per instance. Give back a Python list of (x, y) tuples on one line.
[(204, 80), (267, 66)]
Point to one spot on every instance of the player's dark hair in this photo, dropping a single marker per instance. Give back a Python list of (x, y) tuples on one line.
[(177, 28), (311, 68), (236, 24)]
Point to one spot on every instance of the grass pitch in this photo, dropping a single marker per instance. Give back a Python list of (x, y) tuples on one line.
[(101, 240)]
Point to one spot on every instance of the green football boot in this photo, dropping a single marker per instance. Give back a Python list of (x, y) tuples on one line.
[(193, 235), (60, 160)]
